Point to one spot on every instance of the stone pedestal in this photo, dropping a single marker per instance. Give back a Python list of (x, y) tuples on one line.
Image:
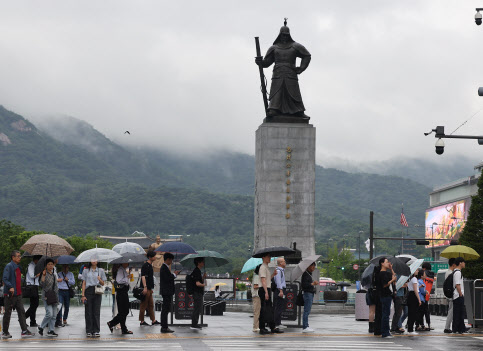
[(285, 186)]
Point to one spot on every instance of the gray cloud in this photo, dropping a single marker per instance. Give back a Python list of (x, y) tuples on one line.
[(180, 75)]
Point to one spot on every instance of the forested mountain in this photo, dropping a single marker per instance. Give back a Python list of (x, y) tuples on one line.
[(66, 177)]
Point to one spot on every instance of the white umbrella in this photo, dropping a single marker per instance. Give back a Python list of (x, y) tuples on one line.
[(302, 267), (98, 254), (413, 267), (412, 259), (128, 247)]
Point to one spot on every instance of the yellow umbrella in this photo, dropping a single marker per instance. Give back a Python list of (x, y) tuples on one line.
[(466, 252), (219, 284)]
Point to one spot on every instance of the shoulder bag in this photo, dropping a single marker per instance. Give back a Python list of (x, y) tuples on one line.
[(51, 296), (71, 289), (137, 292)]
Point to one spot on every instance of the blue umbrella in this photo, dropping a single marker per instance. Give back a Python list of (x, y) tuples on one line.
[(66, 259), (176, 247), (252, 263)]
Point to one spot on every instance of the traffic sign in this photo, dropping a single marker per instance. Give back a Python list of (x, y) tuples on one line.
[(356, 267)]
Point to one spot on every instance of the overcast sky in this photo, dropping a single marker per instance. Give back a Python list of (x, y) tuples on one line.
[(181, 74)]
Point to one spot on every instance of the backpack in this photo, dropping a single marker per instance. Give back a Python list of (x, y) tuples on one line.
[(448, 288), (190, 284), (273, 285)]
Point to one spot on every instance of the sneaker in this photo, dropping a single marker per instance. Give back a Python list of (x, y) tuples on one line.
[(196, 327), (6, 335), (59, 325), (413, 333), (89, 335), (155, 323), (256, 330), (308, 330), (388, 337), (27, 334), (97, 335), (280, 326), (41, 331), (143, 323), (398, 331), (264, 332), (276, 331), (52, 333), (448, 331), (166, 330)]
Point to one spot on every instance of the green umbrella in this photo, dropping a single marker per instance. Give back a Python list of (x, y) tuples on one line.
[(212, 259)]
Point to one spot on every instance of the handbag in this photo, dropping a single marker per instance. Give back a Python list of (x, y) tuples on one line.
[(300, 298), (137, 292), (99, 289), (51, 296), (29, 291)]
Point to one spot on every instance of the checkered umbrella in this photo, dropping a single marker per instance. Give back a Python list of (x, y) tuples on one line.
[(48, 245)]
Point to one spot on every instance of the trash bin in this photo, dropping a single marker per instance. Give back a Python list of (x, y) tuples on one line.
[(361, 308)]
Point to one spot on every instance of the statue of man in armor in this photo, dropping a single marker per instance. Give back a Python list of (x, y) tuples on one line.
[(285, 98), (159, 255)]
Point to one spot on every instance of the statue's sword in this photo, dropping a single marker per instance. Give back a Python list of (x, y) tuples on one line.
[(262, 78)]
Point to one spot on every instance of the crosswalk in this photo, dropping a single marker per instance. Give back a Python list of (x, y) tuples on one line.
[(251, 344)]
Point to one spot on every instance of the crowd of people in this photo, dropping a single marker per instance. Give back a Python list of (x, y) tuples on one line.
[(265, 284), (57, 290), (411, 300)]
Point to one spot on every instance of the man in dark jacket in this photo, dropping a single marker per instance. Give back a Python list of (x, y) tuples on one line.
[(12, 278), (166, 290), (199, 291)]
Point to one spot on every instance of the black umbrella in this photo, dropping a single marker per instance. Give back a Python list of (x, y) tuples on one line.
[(129, 258), (399, 267), (66, 259), (366, 279), (40, 266), (274, 251)]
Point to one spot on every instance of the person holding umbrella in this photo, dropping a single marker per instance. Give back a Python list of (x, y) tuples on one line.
[(32, 281), (199, 291), (266, 312), (166, 278), (66, 282), (92, 277), (49, 285), (122, 299), (308, 288), (386, 278)]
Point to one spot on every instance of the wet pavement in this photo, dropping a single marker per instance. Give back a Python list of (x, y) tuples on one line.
[(233, 331)]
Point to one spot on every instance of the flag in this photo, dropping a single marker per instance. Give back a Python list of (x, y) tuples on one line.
[(368, 244), (403, 220)]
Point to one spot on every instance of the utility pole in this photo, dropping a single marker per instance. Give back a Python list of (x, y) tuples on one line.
[(371, 235)]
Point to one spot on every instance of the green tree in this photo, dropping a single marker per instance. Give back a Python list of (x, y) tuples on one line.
[(340, 263), (472, 235)]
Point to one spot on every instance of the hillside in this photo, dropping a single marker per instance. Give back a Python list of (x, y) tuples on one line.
[(69, 178)]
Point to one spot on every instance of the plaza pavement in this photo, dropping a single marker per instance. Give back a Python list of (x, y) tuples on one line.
[(233, 331)]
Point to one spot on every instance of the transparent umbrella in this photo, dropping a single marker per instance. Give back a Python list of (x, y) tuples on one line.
[(128, 247), (98, 254)]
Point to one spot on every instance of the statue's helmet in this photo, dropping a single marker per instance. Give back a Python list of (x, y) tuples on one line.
[(284, 31)]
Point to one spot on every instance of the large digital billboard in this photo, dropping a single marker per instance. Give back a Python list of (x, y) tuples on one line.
[(450, 220)]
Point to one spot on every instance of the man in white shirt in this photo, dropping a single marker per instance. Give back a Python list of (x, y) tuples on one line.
[(459, 298), (32, 281), (449, 317)]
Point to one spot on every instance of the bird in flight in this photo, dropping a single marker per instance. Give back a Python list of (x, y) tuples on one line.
[(127, 132)]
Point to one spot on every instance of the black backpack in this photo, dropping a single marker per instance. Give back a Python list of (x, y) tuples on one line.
[(273, 285), (190, 284), (448, 288)]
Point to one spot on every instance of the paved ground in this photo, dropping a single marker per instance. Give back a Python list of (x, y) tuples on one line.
[(233, 331)]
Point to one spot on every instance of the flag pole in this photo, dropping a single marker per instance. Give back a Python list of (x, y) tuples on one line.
[(402, 231)]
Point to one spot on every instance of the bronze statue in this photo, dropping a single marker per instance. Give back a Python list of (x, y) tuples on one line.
[(159, 255), (286, 103)]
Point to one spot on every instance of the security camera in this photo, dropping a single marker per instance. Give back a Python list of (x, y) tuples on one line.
[(478, 17), (440, 147)]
